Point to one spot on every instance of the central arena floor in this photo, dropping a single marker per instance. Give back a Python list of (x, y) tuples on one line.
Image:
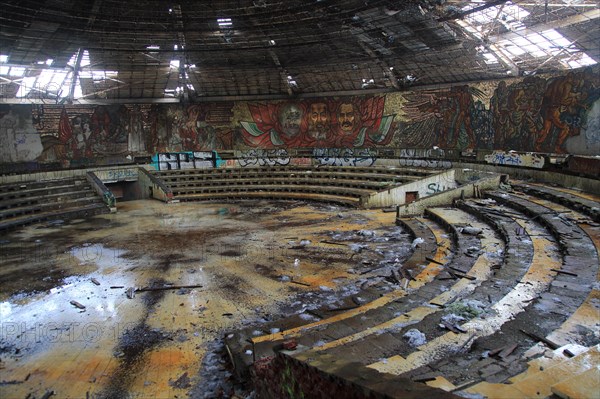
[(254, 261)]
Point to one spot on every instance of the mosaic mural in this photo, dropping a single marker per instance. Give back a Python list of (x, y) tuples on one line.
[(322, 123), (540, 114)]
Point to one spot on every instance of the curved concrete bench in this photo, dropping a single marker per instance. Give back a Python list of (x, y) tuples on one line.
[(537, 279), (585, 205), (301, 180), (283, 195), (551, 288), (382, 178), (540, 375)]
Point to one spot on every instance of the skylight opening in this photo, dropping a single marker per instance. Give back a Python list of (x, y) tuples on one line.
[(367, 82), (578, 61), (174, 64), (25, 88), (16, 72), (509, 15), (153, 47), (546, 44), (85, 59), (490, 58), (3, 58), (224, 22), (291, 81), (4, 70)]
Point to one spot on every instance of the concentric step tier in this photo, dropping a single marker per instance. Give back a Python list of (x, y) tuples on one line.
[(27, 203)]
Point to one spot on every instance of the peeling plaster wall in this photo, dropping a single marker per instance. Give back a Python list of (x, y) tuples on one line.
[(19, 140), (532, 114)]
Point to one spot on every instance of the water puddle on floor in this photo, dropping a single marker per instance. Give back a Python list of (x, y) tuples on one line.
[(71, 323)]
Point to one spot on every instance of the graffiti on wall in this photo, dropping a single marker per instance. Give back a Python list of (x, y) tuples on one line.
[(184, 160), (324, 122), (425, 163), (260, 157), (515, 159), (434, 188), (345, 156)]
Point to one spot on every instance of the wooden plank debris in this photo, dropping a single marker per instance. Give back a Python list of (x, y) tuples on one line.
[(564, 272), (508, 350), (299, 283), (77, 305), (433, 260), (167, 287), (551, 345), (334, 243)]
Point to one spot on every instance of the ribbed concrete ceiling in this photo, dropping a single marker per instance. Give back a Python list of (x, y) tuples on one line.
[(153, 50)]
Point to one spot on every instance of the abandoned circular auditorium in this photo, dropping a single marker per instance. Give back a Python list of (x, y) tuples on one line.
[(265, 199)]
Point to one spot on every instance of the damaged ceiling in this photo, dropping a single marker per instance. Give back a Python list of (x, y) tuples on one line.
[(109, 50)]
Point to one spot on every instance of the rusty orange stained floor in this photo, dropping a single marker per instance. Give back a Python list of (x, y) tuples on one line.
[(250, 258)]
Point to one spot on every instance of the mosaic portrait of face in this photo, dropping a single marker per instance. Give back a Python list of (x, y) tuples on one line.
[(290, 118), (346, 117), (319, 120)]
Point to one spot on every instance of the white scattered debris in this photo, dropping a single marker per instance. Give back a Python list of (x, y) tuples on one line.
[(285, 278), (325, 288), (366, 233), (452, 319), (417, 241), (274, 330), (319, 343), (383, 360), (415, 337), (358, 247), (256, 333), (306, 316), (304, 243), (249, 352), (473, 231), (296, 262)]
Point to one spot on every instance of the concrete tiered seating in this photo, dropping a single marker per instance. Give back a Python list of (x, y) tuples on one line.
[(26, 203), (538, 261), (587, 206), (434, 247), (374, 332), (344, 185)]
